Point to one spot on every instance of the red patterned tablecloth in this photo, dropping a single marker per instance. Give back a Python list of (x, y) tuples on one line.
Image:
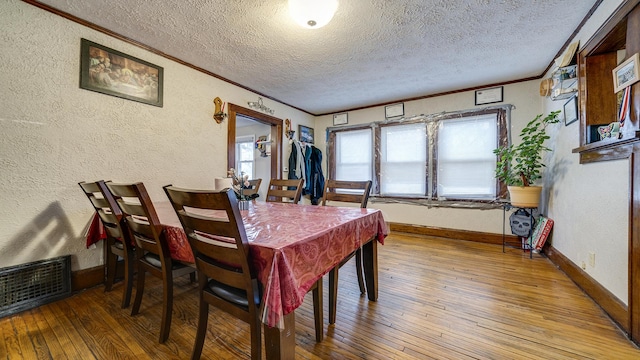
[(292, 246)]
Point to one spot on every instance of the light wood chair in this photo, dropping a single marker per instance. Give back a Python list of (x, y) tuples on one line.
[(350, 192), (118, 243), (280, 190), (221, 249), (152, 253)]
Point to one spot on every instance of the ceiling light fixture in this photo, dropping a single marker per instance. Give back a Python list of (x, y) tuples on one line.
[(312, 14)]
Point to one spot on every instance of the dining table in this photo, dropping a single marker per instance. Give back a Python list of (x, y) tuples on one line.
[(291, 247)]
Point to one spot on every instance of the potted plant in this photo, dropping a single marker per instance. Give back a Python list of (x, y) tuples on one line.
[(519, 166)]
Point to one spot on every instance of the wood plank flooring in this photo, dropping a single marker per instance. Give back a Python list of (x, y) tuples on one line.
[(438, 299)]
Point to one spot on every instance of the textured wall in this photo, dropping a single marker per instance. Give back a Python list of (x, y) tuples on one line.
[(590, 203), (54, 134)]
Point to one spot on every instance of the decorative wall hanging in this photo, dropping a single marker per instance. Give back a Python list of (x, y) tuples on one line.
[(626, 73), (112, 72), (489, 96), (218, 113)]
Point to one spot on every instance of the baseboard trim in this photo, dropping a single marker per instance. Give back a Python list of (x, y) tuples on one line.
[(86, 278), (489, 238), (616, 309)]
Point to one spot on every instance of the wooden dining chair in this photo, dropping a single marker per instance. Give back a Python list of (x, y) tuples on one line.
[(152, 253), (220, 246), (349, 192), (117, 243), (280, 190), (254, 187)]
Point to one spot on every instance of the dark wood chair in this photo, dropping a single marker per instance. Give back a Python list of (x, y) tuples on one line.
[(221, 249), (152, 253), (254, 188), (349, 192), (118, 243), (281, 189)]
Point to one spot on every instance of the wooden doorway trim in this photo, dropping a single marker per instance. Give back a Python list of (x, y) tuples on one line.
[(276, 136)]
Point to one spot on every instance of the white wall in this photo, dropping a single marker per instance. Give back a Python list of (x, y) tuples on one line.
[(528, 103), (590, 203), (54, 134)]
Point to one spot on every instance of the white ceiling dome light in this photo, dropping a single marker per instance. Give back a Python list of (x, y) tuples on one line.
[(312, 14)]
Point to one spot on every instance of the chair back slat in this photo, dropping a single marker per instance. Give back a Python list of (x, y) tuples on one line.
[(216, 233), (142, 220), (347, 191), (254, 187), (281, 189)]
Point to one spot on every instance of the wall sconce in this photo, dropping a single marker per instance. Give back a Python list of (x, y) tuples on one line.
[(218, 114), (258, 105)]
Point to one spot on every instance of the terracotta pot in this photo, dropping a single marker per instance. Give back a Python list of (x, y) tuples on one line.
[(525, 196)]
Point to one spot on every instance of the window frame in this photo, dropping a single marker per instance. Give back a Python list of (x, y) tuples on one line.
[(502, 112)]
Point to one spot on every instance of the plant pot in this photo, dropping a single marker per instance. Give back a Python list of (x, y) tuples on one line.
[(525, 196)]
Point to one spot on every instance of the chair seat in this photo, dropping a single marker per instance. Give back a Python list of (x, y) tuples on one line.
[(231, 294), (154, 260)]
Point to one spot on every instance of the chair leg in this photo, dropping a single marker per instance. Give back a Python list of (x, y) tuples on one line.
[(192, 277), (111, 264), (317, 311), (128, 279), (359, 270), (201, 333), (139, 290), (167, 306), (333, 294)]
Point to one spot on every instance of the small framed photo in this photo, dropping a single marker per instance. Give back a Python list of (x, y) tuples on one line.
[(626, 73), (489, 96), (395, 110), (571, 111), (114, 73), (340, 119), (306, 134)]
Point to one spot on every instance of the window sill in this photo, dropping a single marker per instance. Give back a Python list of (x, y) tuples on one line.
[(424, 201)]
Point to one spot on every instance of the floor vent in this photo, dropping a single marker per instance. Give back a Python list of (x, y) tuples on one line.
[(30, 285)]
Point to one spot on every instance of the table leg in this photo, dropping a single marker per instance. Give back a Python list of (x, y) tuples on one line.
[(370, 264), (281, 344)]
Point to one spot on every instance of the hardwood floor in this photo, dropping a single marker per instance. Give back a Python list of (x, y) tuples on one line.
[(438, 299)]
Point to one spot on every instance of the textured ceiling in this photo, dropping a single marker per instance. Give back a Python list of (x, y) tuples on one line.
[(372, 52)]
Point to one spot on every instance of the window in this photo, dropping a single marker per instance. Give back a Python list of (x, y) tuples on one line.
[(245, 155), (439, 157), (353, 155), (403, 159), (466, 161)]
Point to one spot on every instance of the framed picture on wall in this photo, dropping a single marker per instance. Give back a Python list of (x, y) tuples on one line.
[(114, 73), (489, 96), (570, 111), (306, 134), (626, 73)]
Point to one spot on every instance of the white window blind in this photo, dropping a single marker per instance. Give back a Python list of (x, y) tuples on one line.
[(403, 159), (245, 155), (353, 155), (466, 161)]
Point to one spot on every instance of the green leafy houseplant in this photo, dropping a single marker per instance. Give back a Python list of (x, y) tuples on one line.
[(520, 165)]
